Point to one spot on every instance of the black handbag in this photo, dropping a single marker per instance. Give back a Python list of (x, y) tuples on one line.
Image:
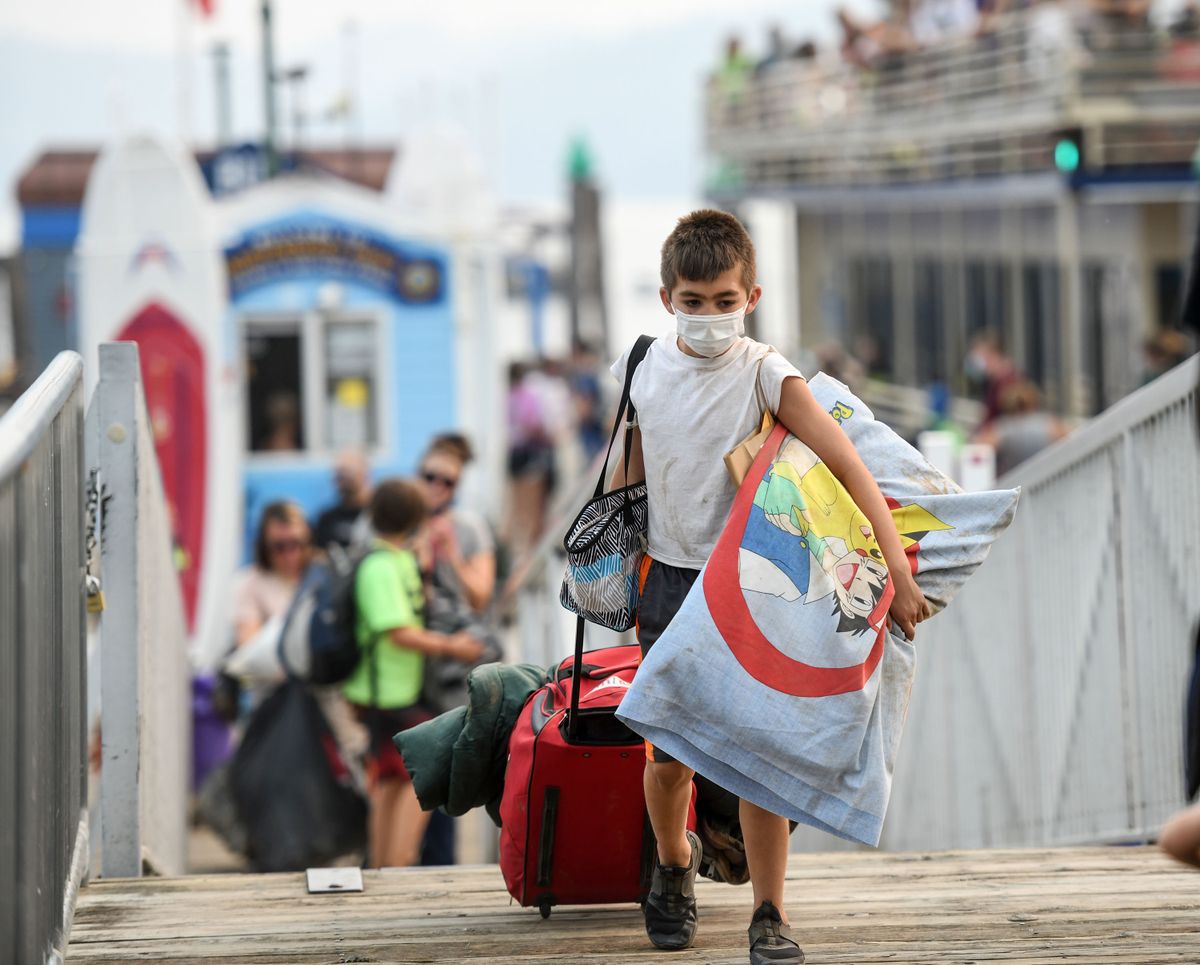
[(606, 542)]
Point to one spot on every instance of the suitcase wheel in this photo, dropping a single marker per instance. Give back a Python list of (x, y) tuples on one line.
[(544, 907)]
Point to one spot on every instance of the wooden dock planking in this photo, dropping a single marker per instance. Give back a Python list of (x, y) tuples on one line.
[(1089, 905)]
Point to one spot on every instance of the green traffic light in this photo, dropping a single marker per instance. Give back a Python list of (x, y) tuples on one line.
[(1066, 155)]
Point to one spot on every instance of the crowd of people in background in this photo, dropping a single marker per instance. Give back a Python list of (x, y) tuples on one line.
[(424, 586), (1014, 419), (427, 588), (906, 27)]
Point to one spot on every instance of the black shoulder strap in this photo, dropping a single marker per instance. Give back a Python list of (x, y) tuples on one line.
[(626, 408)]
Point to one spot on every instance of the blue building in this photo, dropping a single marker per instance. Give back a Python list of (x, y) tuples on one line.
[(341, 323), (347, 329)]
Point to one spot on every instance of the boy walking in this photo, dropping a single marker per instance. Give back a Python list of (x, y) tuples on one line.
[(699, 391), (385, 687)]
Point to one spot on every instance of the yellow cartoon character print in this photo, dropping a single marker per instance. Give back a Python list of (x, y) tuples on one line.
[(802, 515)]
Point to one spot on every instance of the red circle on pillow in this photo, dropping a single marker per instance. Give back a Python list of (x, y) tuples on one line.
[(727, 606)]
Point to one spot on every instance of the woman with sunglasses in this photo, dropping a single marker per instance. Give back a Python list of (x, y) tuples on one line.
[(458, 566), (459, 553), (262, 593), (282, 552)]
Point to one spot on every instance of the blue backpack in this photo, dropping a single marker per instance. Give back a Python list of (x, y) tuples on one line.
[(319, 642)]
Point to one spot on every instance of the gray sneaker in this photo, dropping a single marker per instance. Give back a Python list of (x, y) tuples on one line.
[(670, 908), (771, 940)]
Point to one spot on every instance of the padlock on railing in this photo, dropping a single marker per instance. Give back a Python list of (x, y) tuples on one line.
[(95, 595)]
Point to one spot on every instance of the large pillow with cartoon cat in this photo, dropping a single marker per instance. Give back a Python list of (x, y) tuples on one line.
[(778, 678)]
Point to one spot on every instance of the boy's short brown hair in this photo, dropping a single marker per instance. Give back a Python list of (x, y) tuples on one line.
[(397, 507), (704, 244)]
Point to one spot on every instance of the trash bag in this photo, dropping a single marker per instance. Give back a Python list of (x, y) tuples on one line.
[(217, 811), (295, 797)]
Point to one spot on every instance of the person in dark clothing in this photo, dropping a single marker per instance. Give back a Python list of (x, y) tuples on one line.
[(342, 523), (1180, 836), (1191, 304)]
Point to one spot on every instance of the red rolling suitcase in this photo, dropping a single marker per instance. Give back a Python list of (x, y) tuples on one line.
[(575, 829)]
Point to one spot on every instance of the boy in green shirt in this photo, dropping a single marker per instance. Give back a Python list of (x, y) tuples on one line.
[(385, 687)]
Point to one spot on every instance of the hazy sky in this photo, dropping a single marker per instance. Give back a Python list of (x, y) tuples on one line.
[(522, 76)]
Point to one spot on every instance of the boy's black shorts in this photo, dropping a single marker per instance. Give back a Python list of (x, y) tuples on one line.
[(663, 590)]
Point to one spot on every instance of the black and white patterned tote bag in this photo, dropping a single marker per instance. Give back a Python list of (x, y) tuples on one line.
[(607, 541)]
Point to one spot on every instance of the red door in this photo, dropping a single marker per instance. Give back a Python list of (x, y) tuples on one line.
[(173, 376)]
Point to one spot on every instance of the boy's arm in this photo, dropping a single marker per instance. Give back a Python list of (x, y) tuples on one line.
[(458, 646), (637, 468), (803, 416), (384, 606)]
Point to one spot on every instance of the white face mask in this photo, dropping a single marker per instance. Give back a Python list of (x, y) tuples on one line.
[(710, 335)]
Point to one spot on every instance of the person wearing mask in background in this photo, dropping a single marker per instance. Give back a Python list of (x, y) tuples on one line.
[(990, 371), (342, 523), (385, 687)]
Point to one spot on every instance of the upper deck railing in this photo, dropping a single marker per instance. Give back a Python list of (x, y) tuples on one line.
[(974, 107), (43, 769)]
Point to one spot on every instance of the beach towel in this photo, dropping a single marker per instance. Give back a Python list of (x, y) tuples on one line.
[(778, 678)]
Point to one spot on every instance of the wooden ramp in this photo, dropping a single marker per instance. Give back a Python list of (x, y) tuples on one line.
[(1087, 905)]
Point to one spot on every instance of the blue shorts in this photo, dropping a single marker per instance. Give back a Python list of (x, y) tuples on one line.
[(663, 589)]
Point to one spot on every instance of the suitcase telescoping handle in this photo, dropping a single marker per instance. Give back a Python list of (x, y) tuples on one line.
[(576, 678), (636, 354)]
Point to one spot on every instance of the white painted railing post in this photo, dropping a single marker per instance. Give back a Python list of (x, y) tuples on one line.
[(120, 717), (144, 672)]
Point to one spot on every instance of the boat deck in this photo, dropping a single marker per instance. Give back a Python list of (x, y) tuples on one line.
[(1086, 905)]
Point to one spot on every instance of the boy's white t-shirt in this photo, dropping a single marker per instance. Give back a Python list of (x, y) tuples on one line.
[(691, 412)]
